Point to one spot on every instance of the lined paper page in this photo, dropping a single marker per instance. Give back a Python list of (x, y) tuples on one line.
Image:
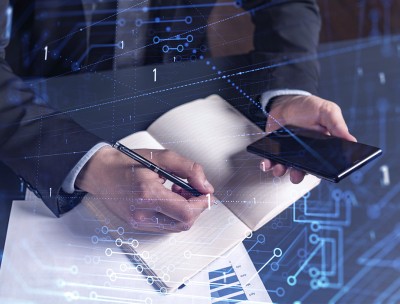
[(176, 257), (213, 133)]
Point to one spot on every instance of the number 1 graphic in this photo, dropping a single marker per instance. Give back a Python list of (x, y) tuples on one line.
[(385, 181), (155, 75), (45, 52)]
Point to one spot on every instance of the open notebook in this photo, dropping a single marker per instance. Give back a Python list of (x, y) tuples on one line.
[(211, 132)]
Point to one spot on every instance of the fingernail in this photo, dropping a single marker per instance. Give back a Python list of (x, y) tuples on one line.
[(262, 166)]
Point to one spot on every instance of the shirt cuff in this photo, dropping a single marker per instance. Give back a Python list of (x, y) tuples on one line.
[(68, 185), (266, 97)]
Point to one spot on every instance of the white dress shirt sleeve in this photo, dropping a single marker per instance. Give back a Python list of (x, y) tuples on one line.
[(68, 185), (266, 97)]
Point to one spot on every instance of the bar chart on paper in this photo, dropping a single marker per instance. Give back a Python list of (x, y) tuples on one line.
[(225, 285), (234, 279)]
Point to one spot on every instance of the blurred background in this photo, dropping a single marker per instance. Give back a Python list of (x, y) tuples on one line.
[(341, 20)]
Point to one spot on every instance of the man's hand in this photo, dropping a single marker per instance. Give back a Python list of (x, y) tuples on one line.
[(309, 112), (137, 195)]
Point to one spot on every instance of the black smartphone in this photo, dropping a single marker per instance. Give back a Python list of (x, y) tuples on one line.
[(325, 156)]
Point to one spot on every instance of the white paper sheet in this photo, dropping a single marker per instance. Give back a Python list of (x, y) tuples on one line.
[(64, 260)]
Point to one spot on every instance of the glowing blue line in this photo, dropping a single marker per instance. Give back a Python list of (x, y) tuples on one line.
[(340, 267), (392, 289), (345, 222), (389, 196), (395, 234), (7, 33), (323, 257), (354, 280), (95, 46), (313, 253), (266, 263), (250, 249), (334, 215), (163, 21), (292, 243), (68, 38), (303, 59), (173, 39), (333, 257)]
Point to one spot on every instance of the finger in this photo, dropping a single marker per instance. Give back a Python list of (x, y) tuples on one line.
[(266, 165), (279, 170), (273, 123), (332, 119), (210, 201), (162, 179), (142, 173), (140, 218), (177, 207), (296, 176), (175, 188), (182, 192), (187, 169)]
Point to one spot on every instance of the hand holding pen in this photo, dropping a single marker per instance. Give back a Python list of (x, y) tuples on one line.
[(135, 192), (153, 167)]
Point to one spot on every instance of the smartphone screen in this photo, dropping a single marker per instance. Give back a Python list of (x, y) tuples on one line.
[(328, 157)]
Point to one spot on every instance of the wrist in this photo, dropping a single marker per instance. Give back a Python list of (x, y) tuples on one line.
[(283, 105), (273, 102), (89, 178), (277, 106)]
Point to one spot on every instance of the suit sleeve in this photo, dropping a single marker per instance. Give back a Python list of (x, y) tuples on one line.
[(38, 143), (285, 45)]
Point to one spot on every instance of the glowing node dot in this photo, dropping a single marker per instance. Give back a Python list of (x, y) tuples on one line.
[(108, 252), (277, 252)]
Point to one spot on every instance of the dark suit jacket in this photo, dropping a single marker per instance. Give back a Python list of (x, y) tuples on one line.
[(41, 145)]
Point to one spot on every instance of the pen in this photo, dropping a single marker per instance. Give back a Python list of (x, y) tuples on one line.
[(153, 167)]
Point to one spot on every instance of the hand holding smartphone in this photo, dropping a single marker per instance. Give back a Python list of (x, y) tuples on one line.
[(328, 157)]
